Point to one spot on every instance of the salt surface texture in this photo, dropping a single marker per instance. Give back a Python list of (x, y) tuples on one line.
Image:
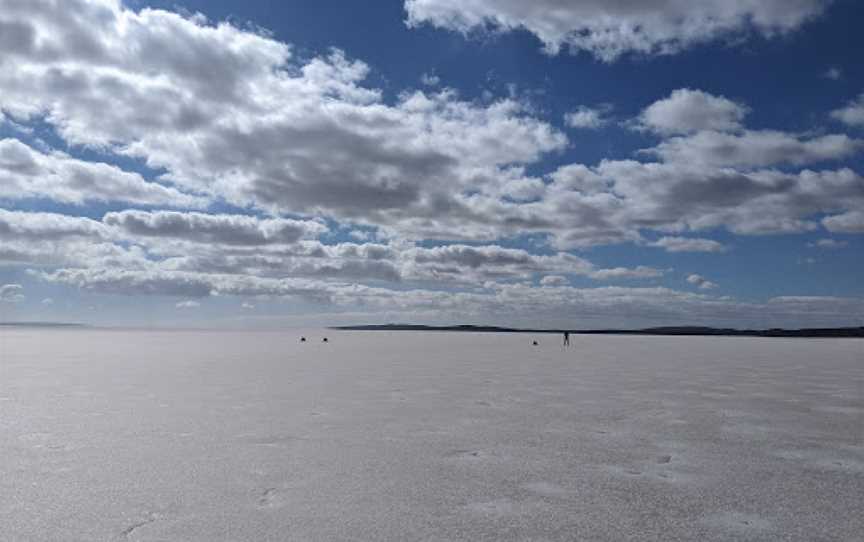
[(141, 435)]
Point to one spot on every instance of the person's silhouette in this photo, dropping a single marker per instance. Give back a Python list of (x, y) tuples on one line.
[(566, 338)]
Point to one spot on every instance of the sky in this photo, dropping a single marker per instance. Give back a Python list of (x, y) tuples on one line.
[(581, 163)]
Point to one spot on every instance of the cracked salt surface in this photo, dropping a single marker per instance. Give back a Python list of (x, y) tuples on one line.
[(210, 436)]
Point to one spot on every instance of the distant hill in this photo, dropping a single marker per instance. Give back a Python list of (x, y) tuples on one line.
[(838, 332)]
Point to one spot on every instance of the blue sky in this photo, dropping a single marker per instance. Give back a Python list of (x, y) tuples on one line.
[(265, 164)]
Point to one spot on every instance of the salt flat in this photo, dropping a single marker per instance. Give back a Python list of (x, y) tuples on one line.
[(191, 435)]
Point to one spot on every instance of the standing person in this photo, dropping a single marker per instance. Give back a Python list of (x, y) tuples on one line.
[(566, 338)]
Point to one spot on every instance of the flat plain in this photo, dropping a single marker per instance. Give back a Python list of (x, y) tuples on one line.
[(228, 435)]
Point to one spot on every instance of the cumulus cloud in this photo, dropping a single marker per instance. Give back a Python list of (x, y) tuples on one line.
[(852, 114), (701, 282), (833, 73), (446, 265), (477, 264), (430, 79), (610, 202), (829, 244), (75, 253), (848, 222), (306, 258), (30, 227), (28, 173), (428, 165), (688, 244), (554, 280), (185, 284), (686, 111), (11, 293), (51, 239), (610, 29), (589, 118), (755, 148), (213, 228), (132, 282), (190, 245), (206, 103), (642, 272)]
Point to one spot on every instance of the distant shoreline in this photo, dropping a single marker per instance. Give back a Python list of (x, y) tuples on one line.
[(814, 333)]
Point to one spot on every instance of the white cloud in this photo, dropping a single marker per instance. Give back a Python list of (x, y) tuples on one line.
[(361, 235), (188, 305), (75, 253), (755, 149), (456, 263), (701, 282), (429, 165), (642, 272), (554, 280), (132, 282), (705, 179), (695, 279), (185, 284), (206, 104), (11, 293), (686, 111), (610, 29), (28, 173), (688, 244), (610, 202), (829, 244), (581, 206), (852, 114), (31, 227), (430, 79), (848, 222), (446, 265), (589, 118), (213, 228), (52, 239), (833, 73), (304, 259)]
